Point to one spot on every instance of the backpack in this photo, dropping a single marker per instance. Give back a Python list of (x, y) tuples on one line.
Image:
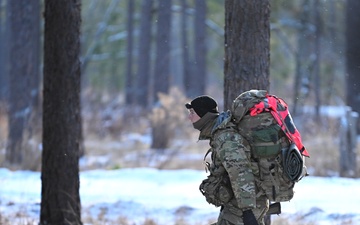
[(265, 122)]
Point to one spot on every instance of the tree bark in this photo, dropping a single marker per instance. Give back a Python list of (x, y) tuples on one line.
[(303, 62), (162, 61), (247, 47), (60, 199), (317, 61), (162, 72), (353, 55), (24, 41), (129, 87), (185, 49), (144, 59), (199, 75), (3, 56)]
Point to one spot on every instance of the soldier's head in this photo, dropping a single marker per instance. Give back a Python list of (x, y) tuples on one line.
[(200, 106)]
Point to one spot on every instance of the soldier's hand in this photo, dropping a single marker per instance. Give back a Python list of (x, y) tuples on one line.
[(249, 218)]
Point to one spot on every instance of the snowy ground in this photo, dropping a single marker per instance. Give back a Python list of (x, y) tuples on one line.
[(170, 195)]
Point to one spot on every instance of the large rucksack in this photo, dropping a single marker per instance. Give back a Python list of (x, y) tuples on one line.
[(265, 122)]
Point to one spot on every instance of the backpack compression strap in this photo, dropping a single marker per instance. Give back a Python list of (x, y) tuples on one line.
[(279, 110)]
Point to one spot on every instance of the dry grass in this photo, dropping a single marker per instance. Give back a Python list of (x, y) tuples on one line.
[(321, 138), (113, 138)]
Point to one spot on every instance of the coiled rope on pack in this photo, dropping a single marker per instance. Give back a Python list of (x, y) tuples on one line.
[(293, 163)]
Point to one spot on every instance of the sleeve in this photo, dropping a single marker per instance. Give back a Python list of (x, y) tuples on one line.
[(235, 157)]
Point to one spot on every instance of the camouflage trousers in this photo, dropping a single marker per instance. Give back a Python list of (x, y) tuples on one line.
[(232, 215)]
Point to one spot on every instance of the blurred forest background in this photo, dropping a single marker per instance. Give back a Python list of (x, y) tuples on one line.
[(142, 60)]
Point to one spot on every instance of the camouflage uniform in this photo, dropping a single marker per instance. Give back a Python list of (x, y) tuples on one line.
[(232, 165)]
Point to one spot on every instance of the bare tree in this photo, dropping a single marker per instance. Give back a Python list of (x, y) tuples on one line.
[(3, 55), (144, 59), (353, 55), (350, 124), (162, 61), (129, 88), (317, 71), (247, 47), (187, 66), (199, 75), (160, 138), (303, 62), (24, 42), (60, 199), (195, 76)]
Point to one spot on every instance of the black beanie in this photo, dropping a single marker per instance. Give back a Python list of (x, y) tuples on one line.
[(202, 105)]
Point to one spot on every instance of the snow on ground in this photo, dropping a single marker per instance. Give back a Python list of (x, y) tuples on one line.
[(169, 195)]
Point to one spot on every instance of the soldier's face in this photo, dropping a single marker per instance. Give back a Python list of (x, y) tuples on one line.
[(193, 117)]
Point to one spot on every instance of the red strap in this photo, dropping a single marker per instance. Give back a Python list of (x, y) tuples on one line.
[(257, 109)]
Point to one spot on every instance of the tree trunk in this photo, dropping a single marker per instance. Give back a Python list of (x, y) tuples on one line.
[(162, 61), (60, 199), (331, 80), (185, 50), (348, 144), (129, 87), (198, 82), (144, 59), (317, 62), (353, 55), (162, 72), (247, 47), (303, 62), (3, 56), (24, 19)]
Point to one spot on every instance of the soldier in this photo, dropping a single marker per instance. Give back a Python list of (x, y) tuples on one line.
[(231, 183)]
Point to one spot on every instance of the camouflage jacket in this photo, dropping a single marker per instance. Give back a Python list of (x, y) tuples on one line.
[(231, 158)]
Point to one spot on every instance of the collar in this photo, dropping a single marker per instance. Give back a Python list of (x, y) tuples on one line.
[(205, 125)]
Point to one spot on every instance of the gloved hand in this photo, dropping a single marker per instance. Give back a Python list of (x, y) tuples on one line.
[(249, 218)]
